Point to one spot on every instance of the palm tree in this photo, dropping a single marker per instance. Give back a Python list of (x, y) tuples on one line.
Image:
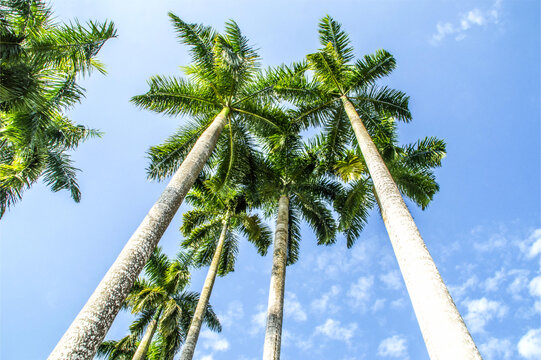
[(289, 187), (337, 80), (222, 87), (164, 310), (211, 229), (40, 62), (339, 155)]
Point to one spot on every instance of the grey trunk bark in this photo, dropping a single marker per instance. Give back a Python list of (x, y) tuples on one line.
[(90, 326), (275, 310), (444, 332), (142, 349), (199, 314)]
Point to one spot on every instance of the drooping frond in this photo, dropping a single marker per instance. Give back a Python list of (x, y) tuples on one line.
[(229, 254), (123, 349), (138, 326), (293, 235), (257, 232), (59, 174), (318, 216), (418, 184), (353, 205)]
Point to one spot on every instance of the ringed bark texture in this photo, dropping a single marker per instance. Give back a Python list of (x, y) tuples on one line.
[(87, 331), (444, 332), (142, 349), (275, 310), (199, 314)]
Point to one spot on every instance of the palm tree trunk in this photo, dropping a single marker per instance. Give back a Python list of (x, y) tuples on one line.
[(443, 329), (199, 314), (142, 349), (275, 310), (90, 326)]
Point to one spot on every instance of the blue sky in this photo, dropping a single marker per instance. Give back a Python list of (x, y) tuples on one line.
[(472, 69)]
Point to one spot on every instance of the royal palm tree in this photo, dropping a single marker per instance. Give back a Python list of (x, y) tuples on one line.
[(289, 187), (337, 80), (40, 63), (164, 311), (222, 87), (410, 165), (211, 229)]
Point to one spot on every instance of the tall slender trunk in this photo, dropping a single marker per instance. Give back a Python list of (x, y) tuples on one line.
[(142, 349), (199, 314), (445, 334), (90, 326), (275, 310)]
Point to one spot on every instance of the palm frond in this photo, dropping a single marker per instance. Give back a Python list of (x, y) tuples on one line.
[(353, 205), (176, 96), (371, 68), (388, 101), (331, 32)]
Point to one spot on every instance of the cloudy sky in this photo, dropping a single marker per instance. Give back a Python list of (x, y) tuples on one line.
[(472, 71)]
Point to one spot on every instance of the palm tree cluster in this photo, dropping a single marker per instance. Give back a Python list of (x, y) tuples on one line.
[(40, 62), (241, 155), (163, 309)]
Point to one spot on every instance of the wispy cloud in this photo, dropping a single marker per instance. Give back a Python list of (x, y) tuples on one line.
[(394, 346), (496, 349), (258, 320), (481, 311), (360, 292), (293, 308), (334, 330), (473, 18), (326, 303), (213, 341), (234, 313)]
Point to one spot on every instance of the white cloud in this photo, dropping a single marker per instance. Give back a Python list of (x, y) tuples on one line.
[(332, 329), (293, 308), (325, 303), (235, 312), (481, 311), (392, 280), (259, 320), (495, 242), (519, 283), (535, 286), (378, 305), (529, 345), (467, 21), (398, 303), (213, 341), (207, 357), (394, 346), (338, 260), (493, 283), (496, 349), (458, 292), (535, 290), (535, 248), (360, 291)]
